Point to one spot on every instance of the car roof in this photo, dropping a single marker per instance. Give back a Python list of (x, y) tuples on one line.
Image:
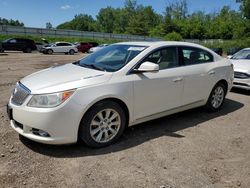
[(161, 43), (62, 42)]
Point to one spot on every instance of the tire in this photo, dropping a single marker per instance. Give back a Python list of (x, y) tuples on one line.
[(216, 98), (71, 52), (49, 51), (103, 124), (28, 50)]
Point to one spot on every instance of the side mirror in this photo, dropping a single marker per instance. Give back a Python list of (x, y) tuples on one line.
[(148, 67), (229, 56)]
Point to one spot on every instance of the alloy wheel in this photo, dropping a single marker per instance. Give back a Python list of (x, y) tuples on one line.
[(105, 125), (217, 97)]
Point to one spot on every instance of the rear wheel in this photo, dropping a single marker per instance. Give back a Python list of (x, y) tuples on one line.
[(49, 51), (103, 124), (216, 98), (71, 52), (27, 50)]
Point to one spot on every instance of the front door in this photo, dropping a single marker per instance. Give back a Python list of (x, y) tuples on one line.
[(160, 91)]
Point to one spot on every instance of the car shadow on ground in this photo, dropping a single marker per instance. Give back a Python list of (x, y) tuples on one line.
[(138, 134), (240, 91)]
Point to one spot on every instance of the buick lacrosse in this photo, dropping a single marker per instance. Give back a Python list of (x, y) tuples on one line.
[(96, 98)]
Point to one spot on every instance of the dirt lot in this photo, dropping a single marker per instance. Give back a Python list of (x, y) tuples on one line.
[(189, 149)]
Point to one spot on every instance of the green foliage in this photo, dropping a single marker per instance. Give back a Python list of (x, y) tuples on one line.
[(143, 20), (4, 21), (173, 36), (245, 8), (105, 19), (49, 25), (82, 22), (137, 19)]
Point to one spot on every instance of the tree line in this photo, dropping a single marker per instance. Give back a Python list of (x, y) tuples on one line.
[(4, 21), (176, 22)]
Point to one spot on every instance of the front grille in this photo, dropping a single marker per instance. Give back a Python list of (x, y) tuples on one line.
[(241, 75), (19, 95), (240, 84)]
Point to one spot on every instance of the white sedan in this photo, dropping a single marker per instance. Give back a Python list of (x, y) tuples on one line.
[(95, 49), (124, 84), (241, 62), (59, 47)]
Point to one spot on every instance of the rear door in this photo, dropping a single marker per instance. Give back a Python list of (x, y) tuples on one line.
[(197, 73), (67, 47)]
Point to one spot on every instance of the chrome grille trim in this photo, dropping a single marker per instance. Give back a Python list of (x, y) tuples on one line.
[(20, 93)]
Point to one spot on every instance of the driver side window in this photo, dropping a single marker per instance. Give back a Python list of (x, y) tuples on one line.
[(165, 58)]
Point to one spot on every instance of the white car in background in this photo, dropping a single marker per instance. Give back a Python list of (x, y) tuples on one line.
[(241, 62), (59, 47), (94, 49), (124, 84)]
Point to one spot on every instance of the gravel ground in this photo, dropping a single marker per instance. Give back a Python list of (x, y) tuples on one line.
[(188, 149)]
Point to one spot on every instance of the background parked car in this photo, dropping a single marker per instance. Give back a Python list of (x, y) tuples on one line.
[(85, 46), (94, 49), (232, 51), (241, 62), (219, 51), (1, 48), (19, 44), (59, 47), (39, 45)]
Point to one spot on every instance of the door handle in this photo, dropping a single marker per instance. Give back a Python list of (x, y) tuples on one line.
[(211, 72), (177, 79)]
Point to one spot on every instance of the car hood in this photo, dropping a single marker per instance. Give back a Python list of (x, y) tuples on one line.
[(241, 65), (64, 77)]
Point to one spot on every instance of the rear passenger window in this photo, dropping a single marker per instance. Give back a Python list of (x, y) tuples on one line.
[(12, 41), (165, 58), (63, 44), (192, 56)]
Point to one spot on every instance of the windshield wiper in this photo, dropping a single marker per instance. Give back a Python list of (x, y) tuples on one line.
[(76, 63), (93, 66)]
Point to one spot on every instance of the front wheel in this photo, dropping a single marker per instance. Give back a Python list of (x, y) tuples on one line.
[(49, 51), (216, 98), (103, 124)]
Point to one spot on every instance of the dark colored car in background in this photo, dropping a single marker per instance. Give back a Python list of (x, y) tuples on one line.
[(1, 48), (232, 51), (19, 44), (219, 51), (85, 46)]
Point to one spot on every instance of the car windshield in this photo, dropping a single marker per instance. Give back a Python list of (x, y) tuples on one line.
[(243, 54), (111, 58), (6, 40)]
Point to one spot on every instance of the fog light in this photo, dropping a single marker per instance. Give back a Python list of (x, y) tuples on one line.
[(39, 132)]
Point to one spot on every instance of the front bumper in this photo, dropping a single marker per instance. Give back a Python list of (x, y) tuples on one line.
[(61, 123), (241, 83)]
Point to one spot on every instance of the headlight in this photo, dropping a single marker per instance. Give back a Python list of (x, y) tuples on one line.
[(49, 100)]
